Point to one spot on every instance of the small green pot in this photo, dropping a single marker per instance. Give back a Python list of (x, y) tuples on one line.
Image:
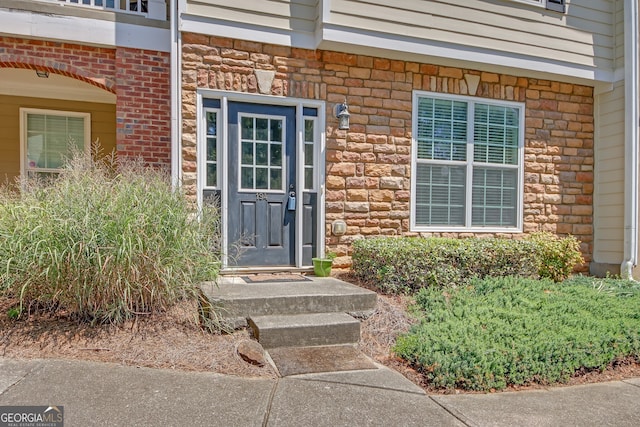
[(322, 266)]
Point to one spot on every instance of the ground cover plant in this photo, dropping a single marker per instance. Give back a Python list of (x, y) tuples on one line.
[(497, 332), (103, 242), (406, 264)]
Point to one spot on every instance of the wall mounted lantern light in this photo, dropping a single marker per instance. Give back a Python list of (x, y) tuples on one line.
[(342, 113)]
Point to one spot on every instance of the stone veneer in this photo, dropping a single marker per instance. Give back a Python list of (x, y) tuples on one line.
[(139, 78), (368, 167)]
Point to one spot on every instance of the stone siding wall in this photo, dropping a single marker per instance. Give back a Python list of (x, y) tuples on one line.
[(368, 167)]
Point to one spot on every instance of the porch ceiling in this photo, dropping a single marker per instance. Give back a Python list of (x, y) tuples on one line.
[(23, 82)]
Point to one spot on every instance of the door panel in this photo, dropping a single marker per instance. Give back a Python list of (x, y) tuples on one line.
[(262, 171)]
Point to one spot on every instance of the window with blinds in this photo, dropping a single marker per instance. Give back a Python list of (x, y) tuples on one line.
[(50, 137), (468, 163)]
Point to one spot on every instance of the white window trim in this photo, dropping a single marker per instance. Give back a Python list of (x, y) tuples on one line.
[(414, 154), (546, 4), (24, 112)]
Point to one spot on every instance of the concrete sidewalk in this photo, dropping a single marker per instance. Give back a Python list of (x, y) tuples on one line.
[(100, 394)]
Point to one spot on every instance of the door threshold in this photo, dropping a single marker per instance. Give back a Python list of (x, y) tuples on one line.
[(234, 271)]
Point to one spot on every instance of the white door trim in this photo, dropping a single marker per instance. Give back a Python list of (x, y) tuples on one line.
[(299, 103)]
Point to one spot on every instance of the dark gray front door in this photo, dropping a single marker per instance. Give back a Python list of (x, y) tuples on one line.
[(262, 163)]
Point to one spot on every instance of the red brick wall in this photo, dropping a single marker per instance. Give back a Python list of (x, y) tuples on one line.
[(143, 106), (368, 167), (140, 80)]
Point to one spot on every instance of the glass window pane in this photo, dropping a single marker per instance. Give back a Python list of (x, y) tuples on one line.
[(247, 153), (247, 127), (212, 175), (308, 155), (308, 131), (212, 149), (261, 178), (440, 195), (308, 179), (494, 197), (262, 129), (442, 129), (276, 130), (212, 127), (246, 179), (261, 154), (276, 179), (276, 155)]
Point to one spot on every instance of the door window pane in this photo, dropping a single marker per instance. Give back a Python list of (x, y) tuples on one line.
[(261, 155)]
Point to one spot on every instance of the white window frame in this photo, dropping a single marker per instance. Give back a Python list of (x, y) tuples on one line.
[(24, 112), (471, 101), (549, 5)]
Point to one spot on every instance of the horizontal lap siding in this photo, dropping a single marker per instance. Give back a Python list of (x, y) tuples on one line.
[(295, 15), (609, 177), (582, 36)]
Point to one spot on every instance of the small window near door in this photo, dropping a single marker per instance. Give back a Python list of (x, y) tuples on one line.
[(309, 151), (50, 138), (211, 159)]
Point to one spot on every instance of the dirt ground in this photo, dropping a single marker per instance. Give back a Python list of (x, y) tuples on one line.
[(174, 340)]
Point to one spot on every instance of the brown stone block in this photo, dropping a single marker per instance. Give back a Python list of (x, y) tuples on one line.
[(584, 176), (381, 196), (356, 207), (342, 169), (335, 195), (358, 195), (380, 206), (371, 182), (387, 76), (584, 200), (360, 73), (355, 182), (339, 58), (368, 158), (335, 182), (580, 229)]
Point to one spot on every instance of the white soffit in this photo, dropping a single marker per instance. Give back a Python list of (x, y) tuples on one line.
[(23, 82)]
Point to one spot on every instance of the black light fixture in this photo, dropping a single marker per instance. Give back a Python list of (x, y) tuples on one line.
[(42, 74), (342, 113)]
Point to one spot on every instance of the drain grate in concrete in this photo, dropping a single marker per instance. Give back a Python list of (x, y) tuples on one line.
[(308, 360)]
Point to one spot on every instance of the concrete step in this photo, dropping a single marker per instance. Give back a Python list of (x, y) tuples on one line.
[(238, 300), (305, 329)]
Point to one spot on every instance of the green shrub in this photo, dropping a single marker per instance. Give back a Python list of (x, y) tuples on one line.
[(509, 331), (104, 243), (557, 256), (408, 264)]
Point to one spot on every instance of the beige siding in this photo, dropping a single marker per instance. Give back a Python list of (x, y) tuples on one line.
[(619, 34), (292, 15), (609, 177), (583, 36), (103, 127)]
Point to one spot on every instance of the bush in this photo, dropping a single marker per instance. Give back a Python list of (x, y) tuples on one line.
[(104, 244), (509, 331), (408, 264)]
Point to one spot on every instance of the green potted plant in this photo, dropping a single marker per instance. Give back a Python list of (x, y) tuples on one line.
[(322, 266)]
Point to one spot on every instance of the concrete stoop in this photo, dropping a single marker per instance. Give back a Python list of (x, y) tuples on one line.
[(309, 312)]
